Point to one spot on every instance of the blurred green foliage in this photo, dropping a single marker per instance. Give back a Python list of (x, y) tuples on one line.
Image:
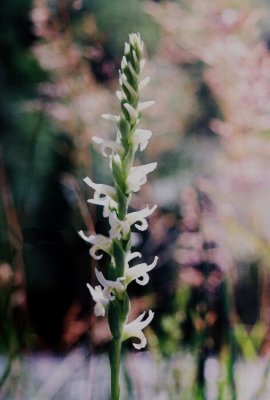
[(118, 18)]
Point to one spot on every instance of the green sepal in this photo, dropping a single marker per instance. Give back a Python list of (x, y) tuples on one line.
[(126, 244), (117, 174), (127, 161), (114, 319), (126, 306), (112, 273), (133, 81), (119, 258), (117, 315), (123, 199), (124, 128), (123, 109)]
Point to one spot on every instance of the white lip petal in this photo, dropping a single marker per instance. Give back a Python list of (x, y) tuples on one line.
[(135, 254)]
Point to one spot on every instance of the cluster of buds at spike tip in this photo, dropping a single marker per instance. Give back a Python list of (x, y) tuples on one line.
[(111, 294)]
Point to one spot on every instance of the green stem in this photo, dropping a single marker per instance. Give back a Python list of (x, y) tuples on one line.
[(115, 358)]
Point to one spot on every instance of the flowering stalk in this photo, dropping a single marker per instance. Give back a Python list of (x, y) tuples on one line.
[(111, 295)]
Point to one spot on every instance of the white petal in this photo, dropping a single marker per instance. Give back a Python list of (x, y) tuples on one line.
[(100, 298), (101, 188), (119, 95), (141, 138), (147, 321), (92, 292), (130, 256), (143, 342), (145, 105), (108, 283), (124, 62), (144, 82), (99, 310), (109, 117), (107, 203), (89, 239), (127, 48), (137, 176)]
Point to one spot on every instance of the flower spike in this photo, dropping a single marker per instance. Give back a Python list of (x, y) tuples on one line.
[(111, 294)]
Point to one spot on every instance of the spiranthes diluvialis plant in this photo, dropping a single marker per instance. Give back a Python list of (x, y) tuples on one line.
[(111, 294)]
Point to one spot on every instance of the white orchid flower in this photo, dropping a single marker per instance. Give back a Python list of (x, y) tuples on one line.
[(106, 202), (101, 189), (141, 138), (99, 242), (107, 144), (134, 329), (104, 195), (120, 229), (138, 272), (140, 216), (110, 286), (101, 298), (137, 176)]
